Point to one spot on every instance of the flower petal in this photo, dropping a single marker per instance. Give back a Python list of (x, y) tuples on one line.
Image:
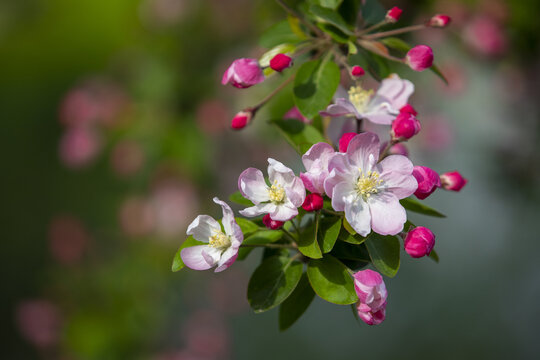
[(343, 193), (342, 107), (363, 151), (229, 223), (227, 259), (258, 209), (318, 153), (284, 212), (211, 255), (193, 258), (296, 192), (396, 90), (280, 173), (252, 185), (396, 173), (387, 214), (358, 215), (203, 227)]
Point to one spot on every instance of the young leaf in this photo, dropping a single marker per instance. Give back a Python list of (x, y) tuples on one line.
[(331, 17), (307, 242), (247, 226), (272, 282), (315, 83), (178, 264), (239, 199), (296, 304), (259, 238), (330, 229), (384, 253), (355, 239), (331, 280), (301, 136), (434, 256), (418, 207)]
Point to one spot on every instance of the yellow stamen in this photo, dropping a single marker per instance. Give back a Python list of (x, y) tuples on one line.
[(276, 193), (219, 240), (368, 185), (359, 97)]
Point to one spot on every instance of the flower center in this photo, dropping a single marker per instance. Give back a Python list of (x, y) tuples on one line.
[(368, 185), (359, 97), (276, 193), (219, 240)]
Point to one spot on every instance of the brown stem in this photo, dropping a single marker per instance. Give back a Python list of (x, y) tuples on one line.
[(386, 150), (272, 94), (394, 32)]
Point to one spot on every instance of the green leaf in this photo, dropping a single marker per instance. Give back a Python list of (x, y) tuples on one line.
[(239, 199), (373, 12), (268, 253), (355, 239), (296, 304), (307, 242), (335, 33), (247, 226), (315, 83), (330, 229), (272, 282), (294, 24), (301, 136), (178, 264), (330, 4), (434, 256), (348, 227), (279, 33), (418, 207), (346, 251), (331, 17), (434, 68), (349, 10), (331, 280), (259, 238), (384, 253)]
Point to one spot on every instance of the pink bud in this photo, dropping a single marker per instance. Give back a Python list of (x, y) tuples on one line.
[(241, 119), (397, 149), (357, 71), (428, 181), (453, 181), (393, 14), (439, 21), (243, 73), (419, 242), (405, 126), (313, 202), (408, 108), (345, 140), (420, 58), (372, 294), (280, 62), (271, 224)]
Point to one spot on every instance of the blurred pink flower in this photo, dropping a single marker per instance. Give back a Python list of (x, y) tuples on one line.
[(127, 158), (78, 147), (226, 291), (294, 113), (201, 326), (136, 216), (160, 13), (437, 133), (39, 322), (457, 78), (485, 36), (213, 116), (68, 239)]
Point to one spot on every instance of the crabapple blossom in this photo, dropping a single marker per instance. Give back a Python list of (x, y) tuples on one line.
[(371, 290), (408, 108), (313, 202), (428, 181), (243, 73), (419, 242), (419, 58), (281, 199), (345, 140), (393, 14), (369, 192), (357, 71), (439, 21), (453, 181), (222, 248), (241, 119), (405, 127), (271, 224), (316, 163), (379, 108), (280, 62)]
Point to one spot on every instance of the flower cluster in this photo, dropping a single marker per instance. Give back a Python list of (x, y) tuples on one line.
[(348, 208)]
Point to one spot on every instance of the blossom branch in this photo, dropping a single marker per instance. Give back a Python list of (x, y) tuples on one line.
[(395, 32)]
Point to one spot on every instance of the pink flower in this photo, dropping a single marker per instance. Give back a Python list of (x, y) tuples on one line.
[(357, 71), (372, 295), (419, 242), (281, 200), (79, 146), (241, 119), (380, 108), (316, 163), (243, 73), (420, 58), (393, 14), (222, 248), (368, 191), (294, 113), (271, 224), (280, 62), (439, 21), (39, 322), (405, 127), (485, 36), (68, 239), (345, 140), (453, 181), (428, 181), (313, 202)]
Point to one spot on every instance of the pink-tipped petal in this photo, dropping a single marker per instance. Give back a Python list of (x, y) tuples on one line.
[(387, 214), (363, 151), (358, 215), (252, 185), (203, 227), (258, 209), (193, 258)]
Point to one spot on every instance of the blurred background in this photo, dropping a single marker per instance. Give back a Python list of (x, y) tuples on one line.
[(115, 135)]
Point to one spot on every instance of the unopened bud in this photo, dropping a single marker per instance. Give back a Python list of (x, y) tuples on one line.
[(439, 21), (357, 71), (393, 14), (420, 58), (345, 140), (241, 119), (419, 242), (313, 202), (428, 181), (271, 224), (280, 62), (405, 126), (453, 181), (243, 73), (408, 109)]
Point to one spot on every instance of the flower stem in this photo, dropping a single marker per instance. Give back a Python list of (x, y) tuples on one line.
[(272, 94), (386, 150), (395, 32), (372, 27)]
